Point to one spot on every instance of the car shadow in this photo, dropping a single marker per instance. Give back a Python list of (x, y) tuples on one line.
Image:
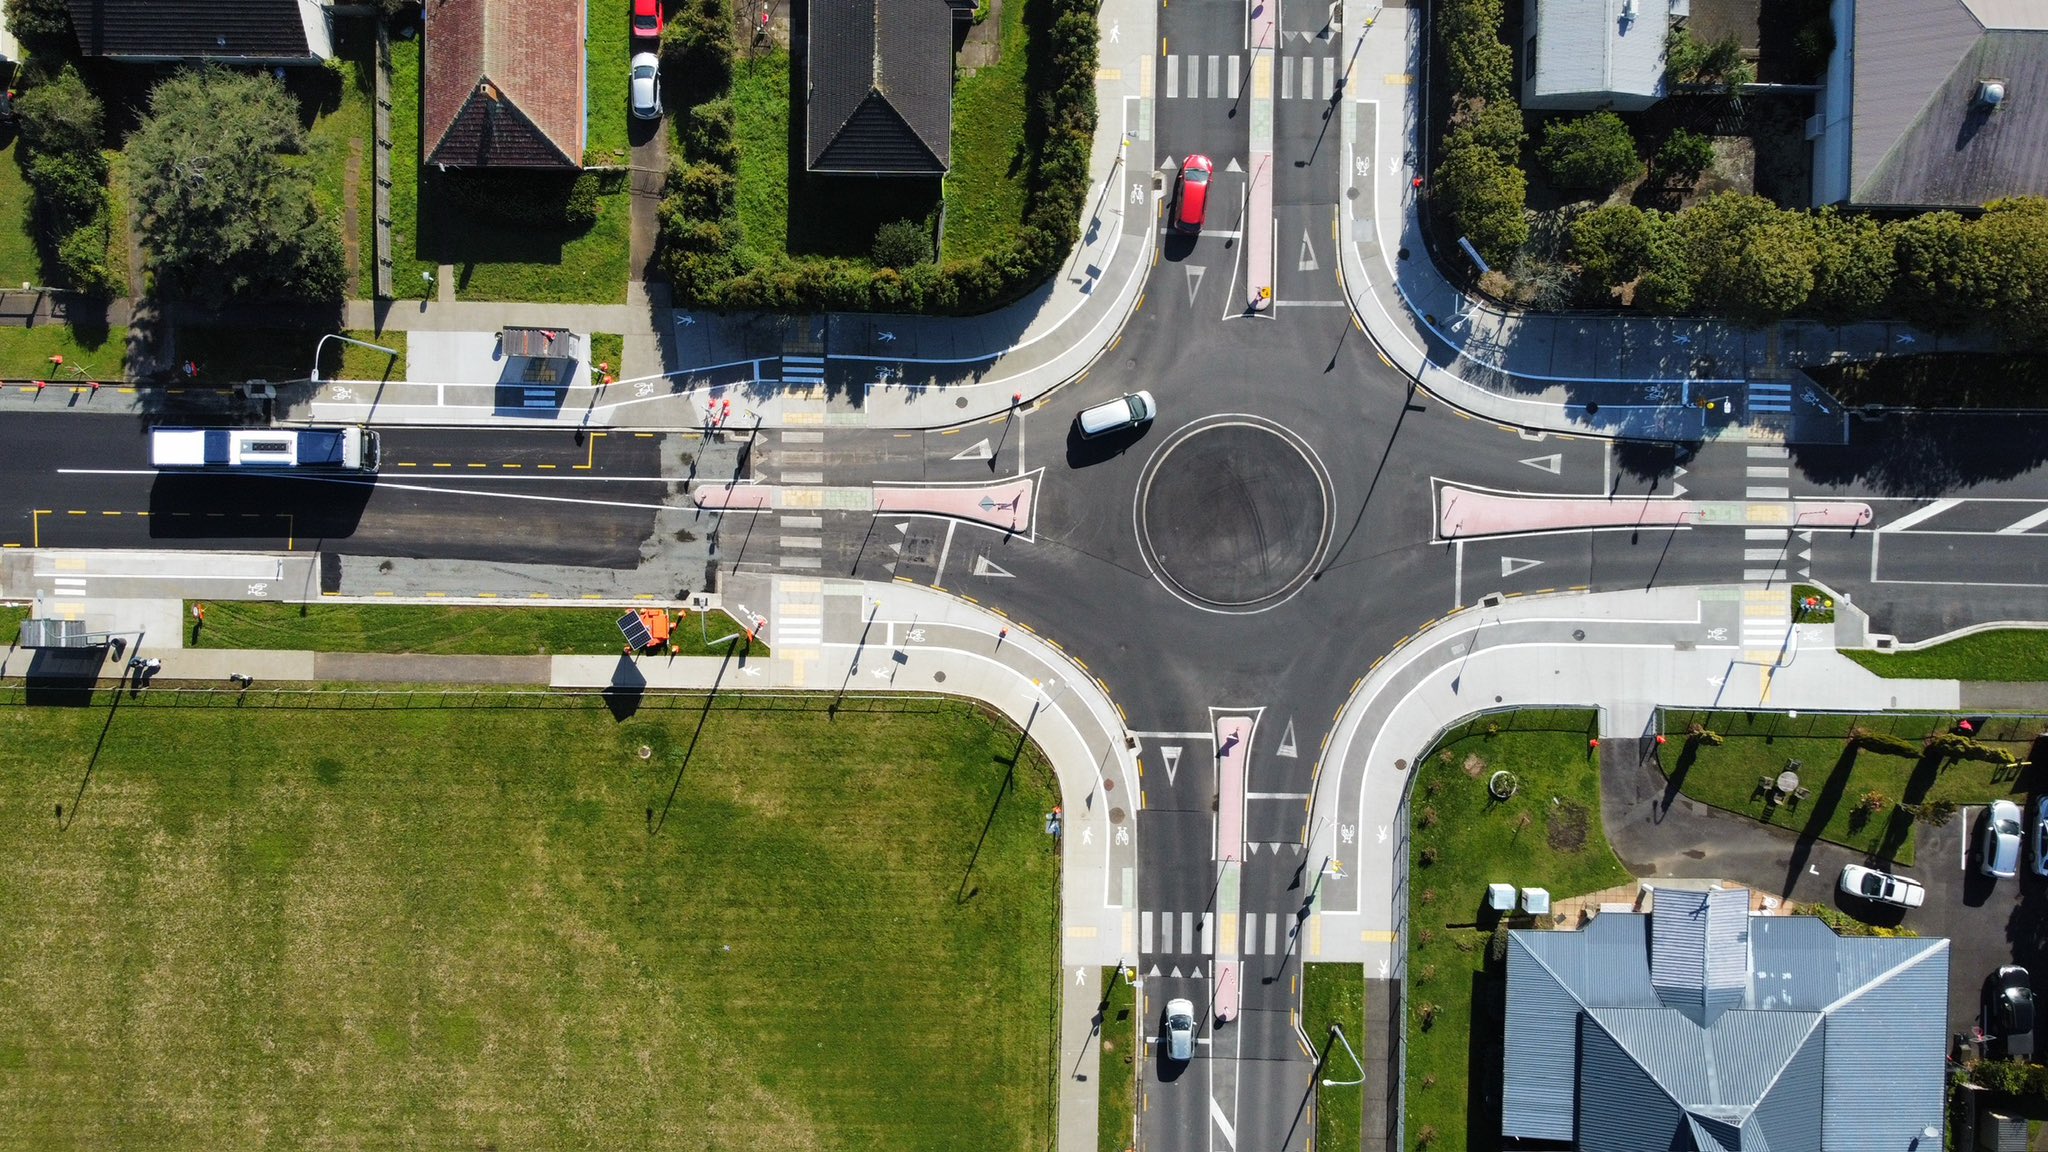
[(1083, 451), (1177, 245)]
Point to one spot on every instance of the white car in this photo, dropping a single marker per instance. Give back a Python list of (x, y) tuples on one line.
[(1180, 1029), (2041, 836), (1883, 887), (1126, 411), (2001, 839), (645, 85)]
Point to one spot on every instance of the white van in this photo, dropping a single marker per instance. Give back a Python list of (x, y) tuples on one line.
[(1126, 411)]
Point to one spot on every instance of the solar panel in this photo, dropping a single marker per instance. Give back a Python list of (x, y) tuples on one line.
[(635, 631)]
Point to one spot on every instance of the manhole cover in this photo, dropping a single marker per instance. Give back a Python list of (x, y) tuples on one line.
[(1234, 514), (1116, 815), (939, 677), (961, 402), (1109, 785)]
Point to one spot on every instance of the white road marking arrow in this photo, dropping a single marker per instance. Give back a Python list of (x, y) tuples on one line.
[(985, 567), (1553, 463), (1194, 280), (1509, 565), (1171, 754), (979, 450), (1287, 747)]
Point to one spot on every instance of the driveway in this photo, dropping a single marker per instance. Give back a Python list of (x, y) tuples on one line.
[(1658, 832)]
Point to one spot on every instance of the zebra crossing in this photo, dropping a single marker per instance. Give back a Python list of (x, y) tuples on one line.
[(1770, 396), (1766, 552), (803, 371), (1194, 933), (798, 458), (1220, 76), (1766, 625)]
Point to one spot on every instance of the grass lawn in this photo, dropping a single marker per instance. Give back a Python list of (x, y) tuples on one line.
[(342, 117), (11, 617), (25, 353), (760, 101), (1335, 994), (407, 264), (2004, 654), (985, 189), (446, 928), (606, 51), (1823, 614), (606, 348), (118, 204), (1116, 1105), (19, 260), (232, 355), (526, 630), (1451, 1068), (1759, 744), (355, 362)]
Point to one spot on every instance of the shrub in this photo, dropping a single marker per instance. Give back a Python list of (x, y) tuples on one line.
[(1701, 734), (1884, 743), (1854, 267), (706, 189), (44, 21), (696, 47), (1495, 125), (901, 244), (82, 255), (1427, 856), (1594, 151), (2011, 1077), (1957, 746), (70, 189), (1484, 198), (1934, 813), (707, 134), (1425, 1136), (1683, 156), (1872, 801), (1611, 245), (1497, 944), (1428, 817), (1425, 1012), (1705, 66), (61, 115)]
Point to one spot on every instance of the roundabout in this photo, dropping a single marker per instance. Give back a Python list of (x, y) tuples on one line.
[(1233, 513)]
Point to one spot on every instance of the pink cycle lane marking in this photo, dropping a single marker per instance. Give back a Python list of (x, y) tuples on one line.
[(1465, 512)]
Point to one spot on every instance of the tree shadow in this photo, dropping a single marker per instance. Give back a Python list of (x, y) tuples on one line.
[(1825, 802), (963, 894)]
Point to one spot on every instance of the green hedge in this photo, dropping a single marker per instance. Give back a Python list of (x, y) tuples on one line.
[(700, 231), (1478, 185), (61, 124)]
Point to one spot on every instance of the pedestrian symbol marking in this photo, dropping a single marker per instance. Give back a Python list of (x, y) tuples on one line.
[(1287, 747), (1553, 463), (979, 450), (1509, 565), (1171, 754), (984, 567)]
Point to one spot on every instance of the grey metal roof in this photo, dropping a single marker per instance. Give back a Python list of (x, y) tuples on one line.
[(880, 78), (1598, 1055), (1916, 135), (1589, 48)]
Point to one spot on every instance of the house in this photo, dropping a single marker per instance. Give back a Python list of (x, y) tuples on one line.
[(878, 87), (265, 32), (1701, 1026), (504, 84), (1586, 54), (1933, 104)]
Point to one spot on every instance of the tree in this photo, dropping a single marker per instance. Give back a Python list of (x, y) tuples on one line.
[(1495, 125), (1854, 268), (61, 116), (223, 216), (1683, 156), (2011, 240), (1591, 151), (1718, 66), (1478, 64), (901, 244), (41, 23), (1774, 267), (1670, 280), (1484, 198), (696, 49), (1938, 278), (1714, 234), (1611, 245)]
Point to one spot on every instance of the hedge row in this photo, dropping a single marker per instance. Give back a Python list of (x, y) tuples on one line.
[(1744, 256), (61, 128), (1478, 183), (700, 232)]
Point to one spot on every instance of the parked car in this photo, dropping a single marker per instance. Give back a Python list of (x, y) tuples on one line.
[(646, 86), (1883, 887), (1180, 1029), (1126, 411), (1192, 203), (647, 19), (2041, 836), (2001, 839), (2010, 1013)]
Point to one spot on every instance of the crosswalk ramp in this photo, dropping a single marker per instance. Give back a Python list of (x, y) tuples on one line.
[(1221, 76), (803, 370)]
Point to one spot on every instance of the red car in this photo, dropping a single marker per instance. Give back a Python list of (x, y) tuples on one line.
[(1193, 201), (647, 19)]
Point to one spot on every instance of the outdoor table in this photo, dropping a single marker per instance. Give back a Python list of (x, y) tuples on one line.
[(1788, 781)]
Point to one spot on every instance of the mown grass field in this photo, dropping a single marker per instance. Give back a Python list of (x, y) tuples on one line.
[(2003, 654), (1116, 1102), (477, 928), (1335, 994), (1462, 841), (434, 629)]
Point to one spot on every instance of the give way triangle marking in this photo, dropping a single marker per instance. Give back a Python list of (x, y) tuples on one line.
[(1509, 565), (979, 450), (984, 567), (1171, 754), (1287, 747), (1553, 463), (1194, 280), (1307, 263)]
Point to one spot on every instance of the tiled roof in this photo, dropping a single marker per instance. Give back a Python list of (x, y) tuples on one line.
[(226, 30), (881, 87), (504, 84)]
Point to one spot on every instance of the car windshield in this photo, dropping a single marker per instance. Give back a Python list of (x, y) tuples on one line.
[(1197, 176), (2008, 827), (1873, 884), (2021, 1002), (643, 72)]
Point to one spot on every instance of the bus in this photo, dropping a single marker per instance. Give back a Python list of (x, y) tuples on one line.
[(345, 449)]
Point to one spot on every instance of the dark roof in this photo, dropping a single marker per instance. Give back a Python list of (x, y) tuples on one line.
[(1702, 1027), (880, 76), (503, 84), (266, 31), (536, 342), (1917, 136)]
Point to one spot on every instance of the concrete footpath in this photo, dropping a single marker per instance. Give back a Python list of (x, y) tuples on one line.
[(834, 636)]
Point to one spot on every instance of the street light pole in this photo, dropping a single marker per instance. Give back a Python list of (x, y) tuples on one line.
[(315, 374), (1338, 1032)]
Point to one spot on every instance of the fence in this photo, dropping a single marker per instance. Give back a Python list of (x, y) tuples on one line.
[(473, 698)]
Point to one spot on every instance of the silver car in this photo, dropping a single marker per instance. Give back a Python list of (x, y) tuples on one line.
[(1882, 887), (645, 85), (1180, 1029), (2001, 839), (2041, 836)]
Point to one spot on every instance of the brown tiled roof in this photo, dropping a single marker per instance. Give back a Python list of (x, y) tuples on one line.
[(504, 84)]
